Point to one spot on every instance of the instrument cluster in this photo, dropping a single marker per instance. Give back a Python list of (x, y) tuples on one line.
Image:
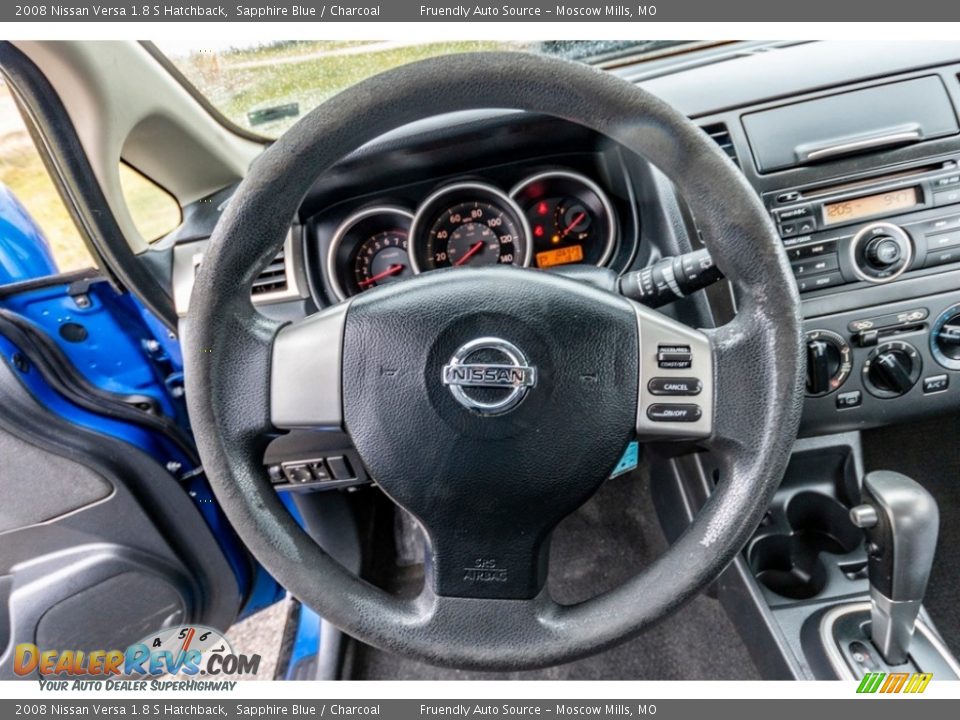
[(551, 218)]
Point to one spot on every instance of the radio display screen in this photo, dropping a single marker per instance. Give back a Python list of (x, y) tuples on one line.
[(869, 205)]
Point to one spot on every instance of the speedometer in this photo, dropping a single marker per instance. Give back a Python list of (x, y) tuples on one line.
[(469, 225)]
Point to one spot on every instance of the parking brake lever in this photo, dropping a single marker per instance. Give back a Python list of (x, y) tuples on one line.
[(900, 519)]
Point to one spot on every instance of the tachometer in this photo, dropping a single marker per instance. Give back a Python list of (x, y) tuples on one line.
[(368, 250), (469, 224), (382, 258), (570, 217)]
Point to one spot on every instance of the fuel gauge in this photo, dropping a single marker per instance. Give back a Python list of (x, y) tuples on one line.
[(570, 217)]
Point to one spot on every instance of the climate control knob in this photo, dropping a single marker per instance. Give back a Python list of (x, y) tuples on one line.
[(892, 369), (829, 361), (945, 338)]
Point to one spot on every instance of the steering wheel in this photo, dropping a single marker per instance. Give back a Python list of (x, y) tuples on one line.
[(489, 477)]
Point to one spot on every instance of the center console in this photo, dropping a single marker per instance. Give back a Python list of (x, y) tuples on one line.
[(863, 186)]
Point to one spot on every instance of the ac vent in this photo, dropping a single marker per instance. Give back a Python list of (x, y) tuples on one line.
[(273, 278), (721, 136)]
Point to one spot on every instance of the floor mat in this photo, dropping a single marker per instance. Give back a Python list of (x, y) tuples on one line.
[(928, 452), (606, 541)]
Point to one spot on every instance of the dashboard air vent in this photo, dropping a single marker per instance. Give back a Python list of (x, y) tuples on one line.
[(721, 136), (273, 278)]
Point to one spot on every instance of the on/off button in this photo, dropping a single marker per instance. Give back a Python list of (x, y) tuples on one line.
[(667, 412)]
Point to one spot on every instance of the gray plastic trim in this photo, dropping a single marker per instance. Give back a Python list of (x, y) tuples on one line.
[(656, 329), (186, 262), (306, 371), (844, 672)]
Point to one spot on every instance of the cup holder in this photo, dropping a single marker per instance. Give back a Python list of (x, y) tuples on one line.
[(791, 563)]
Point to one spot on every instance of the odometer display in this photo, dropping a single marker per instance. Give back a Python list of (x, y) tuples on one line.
[(469, 225)]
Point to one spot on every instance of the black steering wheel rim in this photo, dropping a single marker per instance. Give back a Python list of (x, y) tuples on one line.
[(758, 376)]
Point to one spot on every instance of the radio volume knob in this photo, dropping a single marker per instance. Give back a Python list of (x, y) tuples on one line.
[(883, 251)]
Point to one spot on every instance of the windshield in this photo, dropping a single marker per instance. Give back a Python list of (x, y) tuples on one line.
[(265, 88)]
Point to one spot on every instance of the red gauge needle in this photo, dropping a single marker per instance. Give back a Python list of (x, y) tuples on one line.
[(576, 221), (474, 249), (392, 270)]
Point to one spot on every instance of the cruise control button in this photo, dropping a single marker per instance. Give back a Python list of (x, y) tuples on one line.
[(850, 399), (935, 384), (674, 386), (674, 357), (664, 412)]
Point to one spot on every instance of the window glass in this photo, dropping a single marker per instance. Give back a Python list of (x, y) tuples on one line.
[(155, 212), (32, 213)]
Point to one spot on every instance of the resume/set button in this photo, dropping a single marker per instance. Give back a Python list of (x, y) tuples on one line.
[(674, 357)]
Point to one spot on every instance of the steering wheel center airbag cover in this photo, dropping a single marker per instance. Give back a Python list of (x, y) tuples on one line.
[(476, 480)]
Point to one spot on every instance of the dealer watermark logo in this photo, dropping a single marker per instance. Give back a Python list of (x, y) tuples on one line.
[(185, 657), (893, 683)]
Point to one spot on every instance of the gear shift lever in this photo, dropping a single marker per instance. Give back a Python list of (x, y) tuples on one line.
[(901, 520)]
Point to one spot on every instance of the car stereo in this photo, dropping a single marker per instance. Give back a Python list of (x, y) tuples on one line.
[(871, 229)]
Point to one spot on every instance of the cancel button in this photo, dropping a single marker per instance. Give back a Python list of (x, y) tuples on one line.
[(665, 412), (674, 386)]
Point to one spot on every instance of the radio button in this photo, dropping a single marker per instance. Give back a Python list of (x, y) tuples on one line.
[(943, 240), (812, 250), (794, 213), (788, 230), (946, 181), (940, 224), (818, 282), (942, 257), (815, 265), (946, 197), (806, 227)]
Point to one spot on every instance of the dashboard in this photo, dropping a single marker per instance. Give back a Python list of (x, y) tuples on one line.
[(854, 151)]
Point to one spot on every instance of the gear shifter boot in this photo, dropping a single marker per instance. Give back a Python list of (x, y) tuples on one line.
[(900, 519)]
